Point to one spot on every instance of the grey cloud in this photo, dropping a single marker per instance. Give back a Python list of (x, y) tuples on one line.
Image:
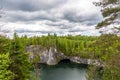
[(15, 16), (30, 5), (38, 31), (59, 14), (26, 11), (61, 25), (83, 19), (5, 31), (76, 30), (69, 16)]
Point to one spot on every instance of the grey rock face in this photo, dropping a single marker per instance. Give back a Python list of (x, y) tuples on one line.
[(48, 56), (51, 56)]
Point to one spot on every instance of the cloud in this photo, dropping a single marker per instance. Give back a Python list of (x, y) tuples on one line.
[(40, 28), (30, 5), (51, 16)]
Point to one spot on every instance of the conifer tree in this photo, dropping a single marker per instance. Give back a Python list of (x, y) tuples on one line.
[(5, 73), (111, 12), (20, 64), (112, 67)]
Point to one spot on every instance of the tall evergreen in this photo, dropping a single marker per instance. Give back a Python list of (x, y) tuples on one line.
[(111, 12), (112, 67), (20, 64), (5, 73), (4, 44)]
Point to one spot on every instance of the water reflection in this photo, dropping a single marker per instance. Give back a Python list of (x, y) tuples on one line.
[(65, 70)]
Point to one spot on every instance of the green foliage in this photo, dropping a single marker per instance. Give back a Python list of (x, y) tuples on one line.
[(110, 11), (20, 64), (103, 48), (112, 67), (83, 46), (5, 73), (93, 73), (4, 44), (108, 46)]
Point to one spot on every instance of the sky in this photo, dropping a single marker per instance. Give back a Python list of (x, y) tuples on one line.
[(40, 17)]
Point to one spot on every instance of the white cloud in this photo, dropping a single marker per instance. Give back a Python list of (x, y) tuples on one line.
[(41, 29), (52, 16)]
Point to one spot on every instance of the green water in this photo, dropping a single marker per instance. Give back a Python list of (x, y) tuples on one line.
[(65, 70)]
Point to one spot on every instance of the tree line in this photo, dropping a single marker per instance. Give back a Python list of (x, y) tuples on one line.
[(15, 61)]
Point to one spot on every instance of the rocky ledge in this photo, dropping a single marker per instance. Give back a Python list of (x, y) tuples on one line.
[(52, 57)]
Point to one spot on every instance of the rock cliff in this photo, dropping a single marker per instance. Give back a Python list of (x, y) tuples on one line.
[(52, 57)]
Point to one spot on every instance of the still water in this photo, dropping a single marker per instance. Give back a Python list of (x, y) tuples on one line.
[(65, 70)]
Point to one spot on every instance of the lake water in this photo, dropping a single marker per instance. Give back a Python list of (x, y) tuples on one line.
[(65, 70)]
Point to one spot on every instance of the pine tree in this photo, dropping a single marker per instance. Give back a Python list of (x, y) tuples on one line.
[(112, 68), (93, 73), (4, 44), (110, 11), (5, 73), (20, 64)]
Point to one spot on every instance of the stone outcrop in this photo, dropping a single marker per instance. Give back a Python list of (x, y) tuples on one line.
[(52, 57)]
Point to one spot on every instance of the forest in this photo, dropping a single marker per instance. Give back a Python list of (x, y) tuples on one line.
[(15, 63)]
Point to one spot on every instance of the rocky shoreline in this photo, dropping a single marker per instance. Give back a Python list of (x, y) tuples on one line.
[(52, 57)]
